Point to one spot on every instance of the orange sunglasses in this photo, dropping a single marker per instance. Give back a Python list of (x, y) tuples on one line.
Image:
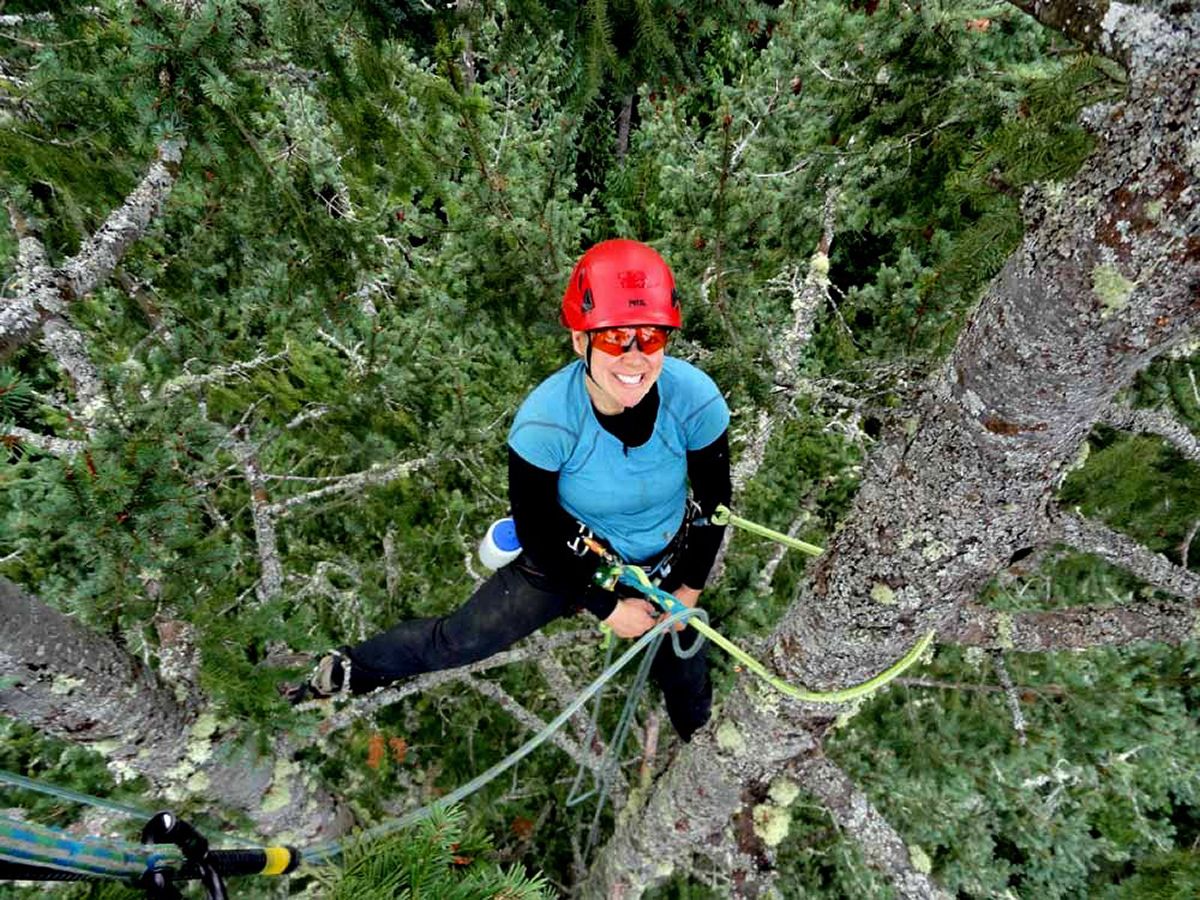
[(615, 341)]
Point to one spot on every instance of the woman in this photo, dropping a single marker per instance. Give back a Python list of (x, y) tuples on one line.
[(605, 448)]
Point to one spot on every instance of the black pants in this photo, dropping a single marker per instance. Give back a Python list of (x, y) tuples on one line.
[(516, 601)]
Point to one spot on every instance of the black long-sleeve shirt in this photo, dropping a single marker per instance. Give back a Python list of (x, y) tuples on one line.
[(545, 527)]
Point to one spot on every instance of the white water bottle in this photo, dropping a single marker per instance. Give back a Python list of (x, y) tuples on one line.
[(500, 544)]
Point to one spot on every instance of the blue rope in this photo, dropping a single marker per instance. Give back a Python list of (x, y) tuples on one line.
[(20, 781)]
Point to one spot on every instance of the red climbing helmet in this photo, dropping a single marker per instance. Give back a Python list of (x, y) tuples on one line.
[(617, 283)]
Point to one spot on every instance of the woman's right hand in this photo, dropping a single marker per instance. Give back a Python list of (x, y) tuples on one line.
[(632, 618)]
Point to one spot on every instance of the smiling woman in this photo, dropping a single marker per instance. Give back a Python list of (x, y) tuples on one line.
[(604, 449)]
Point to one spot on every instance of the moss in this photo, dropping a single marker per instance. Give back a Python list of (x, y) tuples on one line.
[(935, 550), (1004, 630), (729, 739), (280, 794), (881, 593), (771, 823), (818, 268), (1112, 288), (205, 727), (783, 791), (920, 859), (64, 684)]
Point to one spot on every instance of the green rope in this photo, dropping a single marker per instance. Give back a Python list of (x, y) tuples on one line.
[(636, 577), (723, 516)]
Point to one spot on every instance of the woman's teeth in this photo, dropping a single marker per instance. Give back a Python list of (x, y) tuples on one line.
[(629, 379)]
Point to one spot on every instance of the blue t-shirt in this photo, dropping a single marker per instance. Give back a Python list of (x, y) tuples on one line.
[(632, 497)]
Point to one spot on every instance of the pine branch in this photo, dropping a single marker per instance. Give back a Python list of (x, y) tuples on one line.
[(856, 816), (1160, 422), (55, 446), (1114, 547), (1075, 628)]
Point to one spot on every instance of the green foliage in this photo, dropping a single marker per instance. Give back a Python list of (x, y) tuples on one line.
[(372, 248), (1140, 486), (440, 858)]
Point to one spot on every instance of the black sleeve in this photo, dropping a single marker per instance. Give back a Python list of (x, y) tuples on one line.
[(708, 474), (544, 528)]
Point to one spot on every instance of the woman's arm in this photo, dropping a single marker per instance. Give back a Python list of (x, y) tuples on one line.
[(708, 474), (546, 531)]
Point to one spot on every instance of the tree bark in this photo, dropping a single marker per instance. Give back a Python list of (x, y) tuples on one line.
[(79, 686), (1107, 277)]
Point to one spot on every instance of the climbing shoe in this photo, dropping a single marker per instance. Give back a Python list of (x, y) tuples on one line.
[(330, 677)]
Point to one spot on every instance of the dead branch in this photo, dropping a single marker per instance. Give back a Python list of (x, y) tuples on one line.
[(561, 685), (391, 571), (270, 581), (778, 552), (346, 484), (529, 650), (1114, 547), (101, 252), (187, 382), (579, 755), (855, 815), (55, 446), (1010, 696), (809, 293), (1074, 628), (41, 305), (1160, 422), (1185, 546)]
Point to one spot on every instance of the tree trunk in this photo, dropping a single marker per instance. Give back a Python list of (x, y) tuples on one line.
[(79, 686), (1107, 277)]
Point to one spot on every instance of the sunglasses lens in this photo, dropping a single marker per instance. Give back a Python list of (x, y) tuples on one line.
[(651, 338), (615, 341)]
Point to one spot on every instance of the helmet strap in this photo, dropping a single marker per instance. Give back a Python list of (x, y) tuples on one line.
[(587, 359)]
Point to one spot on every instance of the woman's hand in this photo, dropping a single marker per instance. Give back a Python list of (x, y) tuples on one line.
[(689, 597), (632, 618)]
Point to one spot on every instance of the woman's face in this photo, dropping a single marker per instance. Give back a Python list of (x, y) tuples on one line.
[(619, 382)]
